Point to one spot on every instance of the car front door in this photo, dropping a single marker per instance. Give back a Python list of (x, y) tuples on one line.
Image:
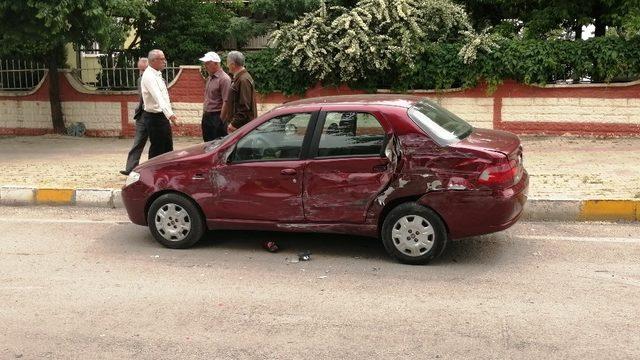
[(263, 176), (348, 168)]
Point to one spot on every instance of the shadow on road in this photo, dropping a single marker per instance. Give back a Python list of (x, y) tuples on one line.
[(326, 244), (475, 250)]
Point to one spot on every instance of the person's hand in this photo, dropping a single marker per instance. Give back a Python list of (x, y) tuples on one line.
[(231, 128), (174, 120)]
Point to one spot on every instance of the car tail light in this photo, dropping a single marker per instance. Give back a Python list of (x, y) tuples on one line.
[(501, 174)]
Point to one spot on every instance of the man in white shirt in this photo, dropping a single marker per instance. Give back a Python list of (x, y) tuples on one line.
[(140, 139), (157, 106)]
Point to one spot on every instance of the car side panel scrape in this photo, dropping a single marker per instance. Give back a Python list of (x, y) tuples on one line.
[(256, 191), (340, 190)]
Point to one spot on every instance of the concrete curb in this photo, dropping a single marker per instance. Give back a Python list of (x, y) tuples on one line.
[(15, 195), (539, 210), (583, 210)]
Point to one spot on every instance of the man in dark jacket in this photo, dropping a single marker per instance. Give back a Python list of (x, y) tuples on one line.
[(240, 107), (140, 139)]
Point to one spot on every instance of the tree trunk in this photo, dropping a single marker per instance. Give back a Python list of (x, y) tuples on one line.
[(601, 27), (54, 90), (578, 30)]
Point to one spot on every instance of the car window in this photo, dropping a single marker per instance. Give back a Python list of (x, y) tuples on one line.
[(279, 138), (444, 127), (351, 133)]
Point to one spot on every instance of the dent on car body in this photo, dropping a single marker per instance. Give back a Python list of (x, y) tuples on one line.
[(421, 169)]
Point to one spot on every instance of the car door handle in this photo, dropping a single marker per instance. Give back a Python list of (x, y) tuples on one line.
[(288, 172)]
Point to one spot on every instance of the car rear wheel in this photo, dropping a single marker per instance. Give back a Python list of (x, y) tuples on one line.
[(175, 222), (413, 234)]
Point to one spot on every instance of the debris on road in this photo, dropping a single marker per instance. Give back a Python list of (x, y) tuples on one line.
[(304, 256), (270, 246)]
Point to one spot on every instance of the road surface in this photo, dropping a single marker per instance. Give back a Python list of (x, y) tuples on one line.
[(87, 284)]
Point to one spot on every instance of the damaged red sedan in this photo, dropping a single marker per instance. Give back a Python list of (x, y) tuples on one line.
[(400, 168)]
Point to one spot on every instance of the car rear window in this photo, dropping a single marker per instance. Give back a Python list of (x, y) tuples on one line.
[(443, 126)]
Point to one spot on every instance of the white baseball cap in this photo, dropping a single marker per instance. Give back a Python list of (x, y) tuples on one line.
[(210, 56)]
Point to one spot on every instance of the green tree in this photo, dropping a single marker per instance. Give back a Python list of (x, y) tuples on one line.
[(41, 28), (282, 10), (185, 29), (541, 17), (289, 10)]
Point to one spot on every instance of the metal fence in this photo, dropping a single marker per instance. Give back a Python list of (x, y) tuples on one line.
[(115, 71), (20, 75)]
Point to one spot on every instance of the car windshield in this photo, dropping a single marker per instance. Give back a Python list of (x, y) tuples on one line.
[(442, 125)]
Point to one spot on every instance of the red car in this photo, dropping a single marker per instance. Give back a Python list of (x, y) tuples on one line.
[(400, 168)]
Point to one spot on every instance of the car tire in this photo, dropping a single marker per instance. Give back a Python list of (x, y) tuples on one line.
[(175, 221), (413, 234)]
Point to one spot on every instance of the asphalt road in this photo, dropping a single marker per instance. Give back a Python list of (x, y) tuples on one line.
[(85, 284)]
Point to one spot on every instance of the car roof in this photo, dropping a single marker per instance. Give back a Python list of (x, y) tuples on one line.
[(395, 100)]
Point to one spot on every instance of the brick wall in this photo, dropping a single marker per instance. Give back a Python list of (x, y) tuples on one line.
[(21, 114), (606, 110), (477, 111), (575, 110)]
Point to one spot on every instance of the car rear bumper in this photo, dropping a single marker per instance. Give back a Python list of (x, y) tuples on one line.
[(479, 212)]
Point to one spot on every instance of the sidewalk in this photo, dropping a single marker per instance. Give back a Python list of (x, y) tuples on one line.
[(560, 168)]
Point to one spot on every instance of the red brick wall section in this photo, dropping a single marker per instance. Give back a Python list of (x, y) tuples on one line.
[(189, 87)]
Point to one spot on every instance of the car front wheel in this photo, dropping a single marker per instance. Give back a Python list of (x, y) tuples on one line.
[(175, 222), (413, 234)]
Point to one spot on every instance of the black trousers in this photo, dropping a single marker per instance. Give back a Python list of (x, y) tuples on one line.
[(212, 126), (139, 141), (160, 135)]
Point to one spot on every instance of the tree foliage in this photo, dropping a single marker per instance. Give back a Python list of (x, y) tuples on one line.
[(374, 36), (185, 29), (542, 19), (38, 26), (282, 10), (440, 66)]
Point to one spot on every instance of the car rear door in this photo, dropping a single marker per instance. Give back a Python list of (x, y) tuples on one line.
[(263, 177), (348, 167)]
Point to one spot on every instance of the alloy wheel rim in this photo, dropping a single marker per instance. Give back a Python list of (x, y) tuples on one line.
[(413, 235), (173, 222)]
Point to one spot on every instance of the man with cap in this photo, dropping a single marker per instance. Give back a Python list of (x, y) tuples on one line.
[(215, 95)]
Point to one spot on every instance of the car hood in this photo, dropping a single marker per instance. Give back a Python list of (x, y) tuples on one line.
[(194, 150), (490, 140)]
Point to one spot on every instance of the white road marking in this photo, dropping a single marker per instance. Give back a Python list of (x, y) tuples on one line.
[(63, 221), (601, 239)]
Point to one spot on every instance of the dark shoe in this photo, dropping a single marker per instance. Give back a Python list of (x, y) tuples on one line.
[(125, 172), (270, 246)]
